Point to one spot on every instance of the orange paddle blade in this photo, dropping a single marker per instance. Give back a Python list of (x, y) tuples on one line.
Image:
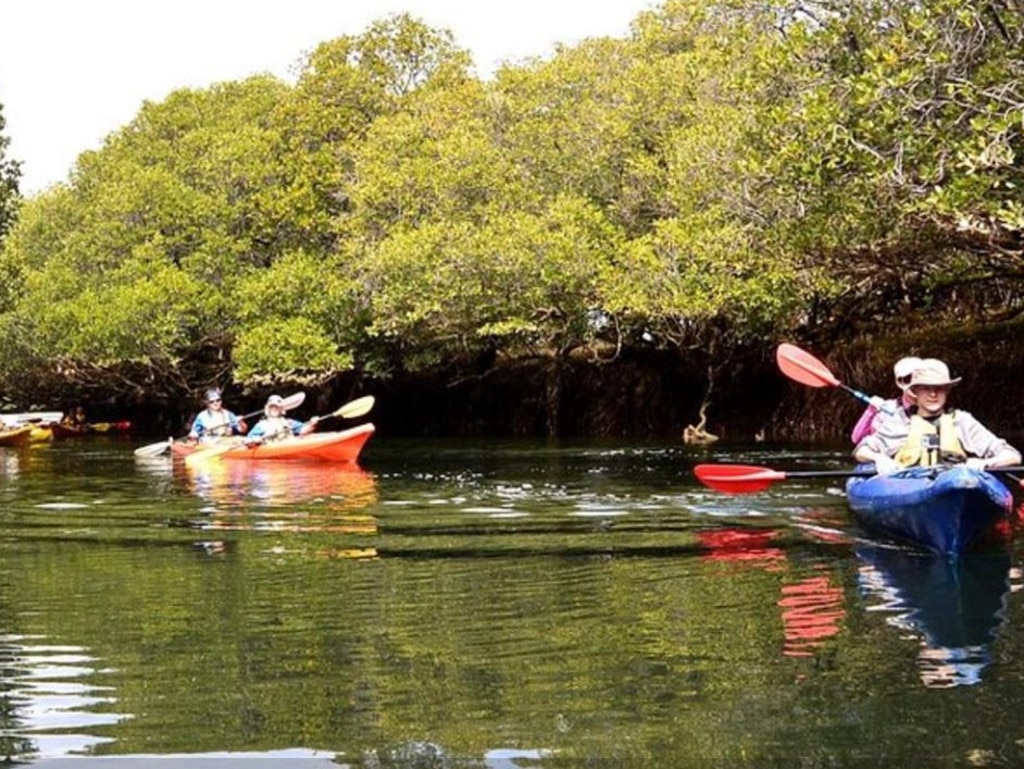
[(746, 479), (737, 479), (803, 367)]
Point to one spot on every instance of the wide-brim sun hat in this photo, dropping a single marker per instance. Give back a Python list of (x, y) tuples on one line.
[(931, 372), (275, 400)]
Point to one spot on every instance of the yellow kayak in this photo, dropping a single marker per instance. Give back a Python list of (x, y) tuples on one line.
[(16, 436), (40, 433)]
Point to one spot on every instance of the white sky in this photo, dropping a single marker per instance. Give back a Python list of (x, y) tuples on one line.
[(73, 71)]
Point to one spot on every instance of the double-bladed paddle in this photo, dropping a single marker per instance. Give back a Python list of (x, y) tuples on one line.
[(804, 368), (749, 479), (156, 449)]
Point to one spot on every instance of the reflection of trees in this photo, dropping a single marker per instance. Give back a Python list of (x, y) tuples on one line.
[(634, 660)]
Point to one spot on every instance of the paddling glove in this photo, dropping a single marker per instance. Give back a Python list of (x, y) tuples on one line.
[(887, 465)]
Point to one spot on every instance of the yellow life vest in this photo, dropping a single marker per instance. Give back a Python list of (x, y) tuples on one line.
[(931, 443)]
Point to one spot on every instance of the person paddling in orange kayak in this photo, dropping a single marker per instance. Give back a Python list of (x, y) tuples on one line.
[(275, 425), (215, 421), (878, 409)]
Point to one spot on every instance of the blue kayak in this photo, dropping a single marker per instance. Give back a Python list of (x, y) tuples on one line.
[(943, 509)]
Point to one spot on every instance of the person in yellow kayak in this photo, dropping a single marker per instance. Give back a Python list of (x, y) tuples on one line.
[(930, 434), (275, 425), (215, 421), (75, 420)]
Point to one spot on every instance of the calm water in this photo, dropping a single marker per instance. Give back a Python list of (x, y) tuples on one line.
[(486, 604)]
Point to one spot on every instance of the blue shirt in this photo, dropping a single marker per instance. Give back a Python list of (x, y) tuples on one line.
[(275, 427), (208, 424)]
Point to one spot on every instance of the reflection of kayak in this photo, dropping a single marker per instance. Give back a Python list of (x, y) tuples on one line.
[(16, 436), (952, 602), (941, 509), (91, 428), (341, 446), (954, 605), (347, 487)]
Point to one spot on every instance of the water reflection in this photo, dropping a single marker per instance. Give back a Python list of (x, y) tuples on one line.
[(296, 497), (811, 607), (45, 701), (9, 463), (280, 484), (955, 607)]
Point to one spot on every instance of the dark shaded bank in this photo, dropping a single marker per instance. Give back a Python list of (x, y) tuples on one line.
[(652, 394)]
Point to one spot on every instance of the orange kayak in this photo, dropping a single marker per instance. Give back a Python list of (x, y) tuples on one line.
[(341, 446)]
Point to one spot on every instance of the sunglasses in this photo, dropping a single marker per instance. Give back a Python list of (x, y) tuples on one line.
[(215, 400), (903, 380)]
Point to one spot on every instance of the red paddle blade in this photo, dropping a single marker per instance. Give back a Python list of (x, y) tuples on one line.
[(737, 479), (804, 367)]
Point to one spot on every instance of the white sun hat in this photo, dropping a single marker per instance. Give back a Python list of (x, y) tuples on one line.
[(931, 372)]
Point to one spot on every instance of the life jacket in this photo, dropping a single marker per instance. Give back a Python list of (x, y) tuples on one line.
[(276, 428), (931, 443), (217, 422)]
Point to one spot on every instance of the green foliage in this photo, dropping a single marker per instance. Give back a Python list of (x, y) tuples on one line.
[(316, 299), (731, 171), (433, 161), (516, 281), (10, 173), (140, 320), (291, 350)]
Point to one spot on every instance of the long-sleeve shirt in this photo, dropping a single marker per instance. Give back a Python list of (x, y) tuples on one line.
[(892, 431), (276, 427), (211, 423)]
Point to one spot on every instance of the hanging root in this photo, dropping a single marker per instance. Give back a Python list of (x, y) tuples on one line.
[(698, 436)]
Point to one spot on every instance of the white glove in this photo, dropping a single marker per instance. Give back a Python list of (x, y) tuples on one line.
[(876, 403), (976, 463), (885, 465)]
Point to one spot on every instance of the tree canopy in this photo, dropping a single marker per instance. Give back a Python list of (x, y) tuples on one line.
[(10, 173), (728, 173)]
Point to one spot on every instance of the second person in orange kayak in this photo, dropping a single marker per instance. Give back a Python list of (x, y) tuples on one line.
[(275, 425)]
